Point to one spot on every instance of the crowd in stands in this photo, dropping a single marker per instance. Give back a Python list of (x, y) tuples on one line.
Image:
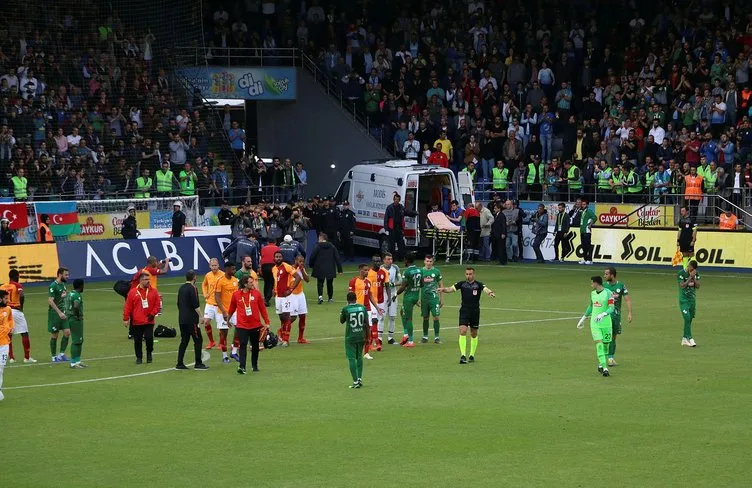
[(620, 99), (86, 113)]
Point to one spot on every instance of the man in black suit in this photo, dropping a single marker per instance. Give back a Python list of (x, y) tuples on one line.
[(560, 233), (188, 317)]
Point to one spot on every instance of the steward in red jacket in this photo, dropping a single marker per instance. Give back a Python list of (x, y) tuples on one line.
[(141, 306), (252, 320)]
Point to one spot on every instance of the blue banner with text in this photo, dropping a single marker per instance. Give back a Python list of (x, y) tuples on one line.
[(119, 259)]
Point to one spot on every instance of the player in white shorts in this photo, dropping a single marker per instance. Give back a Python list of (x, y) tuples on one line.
[(391, 309), (298, 299), (210, 308)]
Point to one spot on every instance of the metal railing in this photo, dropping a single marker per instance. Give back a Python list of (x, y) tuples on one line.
[(235, 56)]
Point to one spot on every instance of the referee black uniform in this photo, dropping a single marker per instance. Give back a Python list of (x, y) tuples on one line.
[(188, 318), (470, 304), (470, 291)]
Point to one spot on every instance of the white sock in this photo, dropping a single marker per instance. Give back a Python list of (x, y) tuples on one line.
[(224, 354), (234, 350), (392, 321)]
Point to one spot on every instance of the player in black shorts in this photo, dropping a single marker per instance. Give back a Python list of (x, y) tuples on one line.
[(469, 311), (687, 236)]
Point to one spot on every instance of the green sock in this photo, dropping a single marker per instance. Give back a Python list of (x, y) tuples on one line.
[(53, 346), (600, 349), (353, 363), (473, 345), (425, 327), (63, 344), (75, 351), (612, 347), (463, 345), (436, 328), (410, 330), (404, 324), (359, 368), (687, 326)]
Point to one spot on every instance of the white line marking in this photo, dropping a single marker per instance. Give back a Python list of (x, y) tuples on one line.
[(145, 373), (92, 380), (87, 360)]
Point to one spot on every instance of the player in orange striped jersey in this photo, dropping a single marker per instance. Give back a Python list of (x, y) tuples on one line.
[(225, 286), (210, 307), (286, 279), (16, 301), (361, 286), (377, 276)]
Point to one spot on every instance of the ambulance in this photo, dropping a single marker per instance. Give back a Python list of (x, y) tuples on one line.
[(370, 187)]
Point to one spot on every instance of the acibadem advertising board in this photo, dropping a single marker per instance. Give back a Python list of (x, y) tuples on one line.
[(657, 247)]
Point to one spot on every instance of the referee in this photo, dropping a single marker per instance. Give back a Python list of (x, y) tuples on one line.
[(188, 317), (687, 236), (469, 311)]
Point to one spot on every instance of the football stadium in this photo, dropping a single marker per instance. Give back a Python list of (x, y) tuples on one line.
[(394, 244)]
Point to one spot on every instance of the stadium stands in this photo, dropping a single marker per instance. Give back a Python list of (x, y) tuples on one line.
[(632, 94)]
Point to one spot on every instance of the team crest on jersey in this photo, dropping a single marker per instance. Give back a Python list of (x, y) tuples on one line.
[(597, 304), (475, 292)]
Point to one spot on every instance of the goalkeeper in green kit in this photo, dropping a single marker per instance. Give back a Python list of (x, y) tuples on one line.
[(431, 301), (357, 332), (74, 311), (618, 291), (412, 282), (601, 328), (689, 283)]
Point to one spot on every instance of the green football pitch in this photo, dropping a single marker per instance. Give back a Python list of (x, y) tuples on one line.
[(532, 411)]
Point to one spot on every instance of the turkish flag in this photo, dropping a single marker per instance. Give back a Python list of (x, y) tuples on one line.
[(16, 213)]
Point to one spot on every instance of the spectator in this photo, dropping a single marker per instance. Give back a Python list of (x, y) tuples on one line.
[(7, 235)]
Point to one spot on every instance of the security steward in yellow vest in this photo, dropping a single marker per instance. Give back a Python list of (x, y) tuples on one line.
[(20, 186), (187, 179), (164, 179), (143, 184), (634, 185), (536, 176), (500, 179), (574, 179)]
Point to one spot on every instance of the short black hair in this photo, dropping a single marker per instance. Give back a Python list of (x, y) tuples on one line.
[(190, 275), (611, 270), (229, 264), (692, 264), (61, 270), (362, 265), (596, 279), (351, 297), (470, 268), (14, 275), (428, 256), (409, 258), (78, 284), (3, 294)]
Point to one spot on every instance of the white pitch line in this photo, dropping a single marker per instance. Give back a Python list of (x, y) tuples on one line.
[(106, 358), (145, 373), (92, 380)]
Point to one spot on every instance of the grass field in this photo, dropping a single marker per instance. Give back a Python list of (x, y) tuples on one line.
[(532, 411)]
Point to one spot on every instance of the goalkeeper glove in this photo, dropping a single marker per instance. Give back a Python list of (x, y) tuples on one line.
[(581, 323), (600, 316)]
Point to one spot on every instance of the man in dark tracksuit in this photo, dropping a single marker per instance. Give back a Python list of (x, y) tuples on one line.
[(188, 315), (347, 230), (394, 223)]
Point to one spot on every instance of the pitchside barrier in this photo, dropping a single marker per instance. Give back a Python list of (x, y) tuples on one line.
[(718, 249)]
